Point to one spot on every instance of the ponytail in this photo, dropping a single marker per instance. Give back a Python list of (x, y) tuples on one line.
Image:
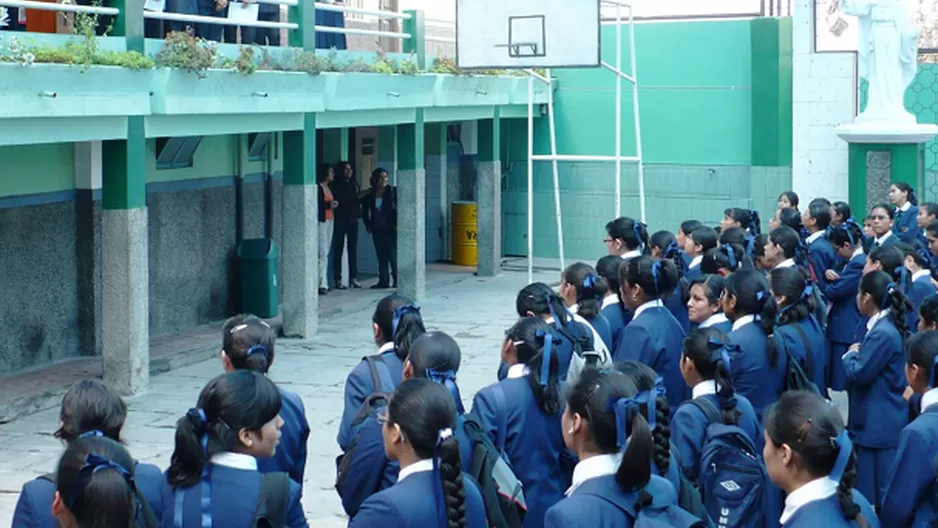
[(535, 345), (720, 354), (248, 341), (451, 495), (95, 479), (406, 327), (590, 288), (634, 435), (845, 474)]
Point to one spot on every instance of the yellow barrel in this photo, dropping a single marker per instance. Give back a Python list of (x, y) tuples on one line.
[(464, 242)]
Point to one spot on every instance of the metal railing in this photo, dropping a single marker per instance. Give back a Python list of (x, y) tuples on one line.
[(442, 24), (64, 8), (373, 13)]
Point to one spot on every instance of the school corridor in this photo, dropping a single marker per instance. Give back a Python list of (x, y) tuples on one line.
[(475, 311)]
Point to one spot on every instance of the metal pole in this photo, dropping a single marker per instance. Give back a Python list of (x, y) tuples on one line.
[(619, 108), (638, 127), (530, 179), (553, 150)]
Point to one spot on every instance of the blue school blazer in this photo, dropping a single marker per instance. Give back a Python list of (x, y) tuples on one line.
[(358, 386), (692, 273), (911, 489), (791, 341), (750, 371), (678, 309), (370, 470), (821, 257), (826, 513), (919, 290), (656, 339), (726, 326), (876, 381), (34, 507), (533, 443), (290, 457), (602, 327), (410, 504), (600, 503), (689, 429), (618, 317), (235, 494), (904, 224), (843, 318)]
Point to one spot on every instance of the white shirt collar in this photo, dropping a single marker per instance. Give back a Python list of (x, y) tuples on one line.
[(919, 274), (696, 261), (575, 308), (417, 467), (387, 347), (929, 398), (610, 300), (787, 263), (593, 467), (883, 238), (815, 490), (743, 321), (716, 318), (905, 207), (814, 236), (518, 370), (857, 251), (631, 254), (875, 319), (704, 388), (650, 304), (235, 460)]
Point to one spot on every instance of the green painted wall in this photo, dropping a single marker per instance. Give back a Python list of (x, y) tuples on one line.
[(216, 156), (771, 92), (33, 169)]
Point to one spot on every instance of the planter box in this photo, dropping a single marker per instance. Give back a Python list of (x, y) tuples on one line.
[(453, 90), (179, 92), (369, 91), (519, 96), (58, 90)]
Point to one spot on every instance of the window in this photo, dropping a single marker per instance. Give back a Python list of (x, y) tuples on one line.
[(176, 152)]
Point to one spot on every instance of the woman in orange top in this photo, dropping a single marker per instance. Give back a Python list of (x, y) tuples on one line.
[(326, 205)]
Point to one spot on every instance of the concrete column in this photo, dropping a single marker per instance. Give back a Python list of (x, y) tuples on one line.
[(300, 232), (438, 225), (125, 298), (88, 166), (489, 197), (411, 210), (469, 157)]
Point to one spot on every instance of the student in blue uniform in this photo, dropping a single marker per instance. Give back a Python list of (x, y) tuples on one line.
[(722, 260), (912, 482), (881, 221), (796, 334), (927, 213), (213, 473), (890, 259), (626, 238), (733, 235), (904, 224), (844, 321), (366, 469), (698, 242), (746, 219), (431, 489), (396, 324), (654, 336), (665, 462), (248, 343), (784, 248), (603, 424), (527, 406), (703, 304), (809, 455), (705, 371), (786, 217), (583, 291), (919, 285), (840, 212), (756, 372), (95, 486), (664, 246), (90, 408), (876, 381), (931, 240), (613, 309), (788, 199), (821, 255), (759, 260), (928, 314), (683, 233)]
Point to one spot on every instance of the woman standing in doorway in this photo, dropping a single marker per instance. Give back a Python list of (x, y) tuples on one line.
[(326, 223), (379, 213)]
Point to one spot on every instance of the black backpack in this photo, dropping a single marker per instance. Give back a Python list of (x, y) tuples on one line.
[(501, 490), (796, 379), (372, 404), (272, 503)]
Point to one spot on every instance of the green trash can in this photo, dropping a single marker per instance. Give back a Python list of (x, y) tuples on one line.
[(257, 259)]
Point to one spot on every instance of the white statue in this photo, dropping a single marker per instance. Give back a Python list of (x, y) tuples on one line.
[(888, 57)]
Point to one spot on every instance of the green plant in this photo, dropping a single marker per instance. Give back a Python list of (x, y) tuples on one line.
[(408, 66), (444, 65), (180, 50)]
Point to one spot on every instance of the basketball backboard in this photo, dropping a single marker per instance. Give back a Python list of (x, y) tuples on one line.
[(507, 34)]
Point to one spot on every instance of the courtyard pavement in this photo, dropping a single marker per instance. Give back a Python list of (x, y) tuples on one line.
[(473, 310)]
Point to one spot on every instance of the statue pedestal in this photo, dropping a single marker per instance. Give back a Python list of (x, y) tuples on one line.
[(882, 153)]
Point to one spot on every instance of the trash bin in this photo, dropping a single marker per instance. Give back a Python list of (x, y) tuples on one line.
[(465, 246), (257, 259)]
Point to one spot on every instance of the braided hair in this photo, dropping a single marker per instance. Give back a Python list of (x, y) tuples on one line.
[(705, 348), (590, 289), (886, 294), (646, 379)]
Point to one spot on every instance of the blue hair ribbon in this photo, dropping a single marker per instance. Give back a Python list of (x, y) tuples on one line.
[(808, 292), (655, 271), (750, 244), (903, 274), (637, 227), (924, 254), (91, 433), (93, 464), (850, 221), (660, 389), (399, 313), (200, 421), (545, 356), (730, 254), (761, 296), (886, 300), (804, 233), (258, 349), (721, 351), (843, 455), (587, 292), (624, 409), (447, 378), (441, 436)]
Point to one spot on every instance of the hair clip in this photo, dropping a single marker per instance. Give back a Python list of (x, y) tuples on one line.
[(91, 433), (237, 328), (803, 430)]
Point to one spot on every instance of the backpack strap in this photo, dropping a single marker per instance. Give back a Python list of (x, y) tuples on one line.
[(49, 477), (272, 501), (501, 410), (376, 366), (708, 409), (809, 356)]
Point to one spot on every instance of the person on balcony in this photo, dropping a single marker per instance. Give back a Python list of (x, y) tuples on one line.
[(346, 191), (327, 205), (266, 12), (211, 8), (379, 213)]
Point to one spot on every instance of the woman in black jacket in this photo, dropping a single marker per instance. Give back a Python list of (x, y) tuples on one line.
[(379, 213)]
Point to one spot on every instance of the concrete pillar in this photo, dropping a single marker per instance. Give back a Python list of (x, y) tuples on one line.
[(411, 210), (300, 232), (438, 225), (875, 167), (489, 197), (125, 296), (88, 166)]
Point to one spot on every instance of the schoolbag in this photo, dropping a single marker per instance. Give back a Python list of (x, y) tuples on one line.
[(501, 490), (372, 404), (796, 379), (688, 497), (731, 478), (144, 516), (644, 514), (272, 502), (585, 354)]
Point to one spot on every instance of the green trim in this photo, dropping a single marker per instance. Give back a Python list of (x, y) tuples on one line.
[(435, 139), (299, 154), (417, 43), (129, 23), (903, 167), (123, 179), (410, 144), (335, 147), (387, 143), (771, 77), (490, 138), (304, 15)]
